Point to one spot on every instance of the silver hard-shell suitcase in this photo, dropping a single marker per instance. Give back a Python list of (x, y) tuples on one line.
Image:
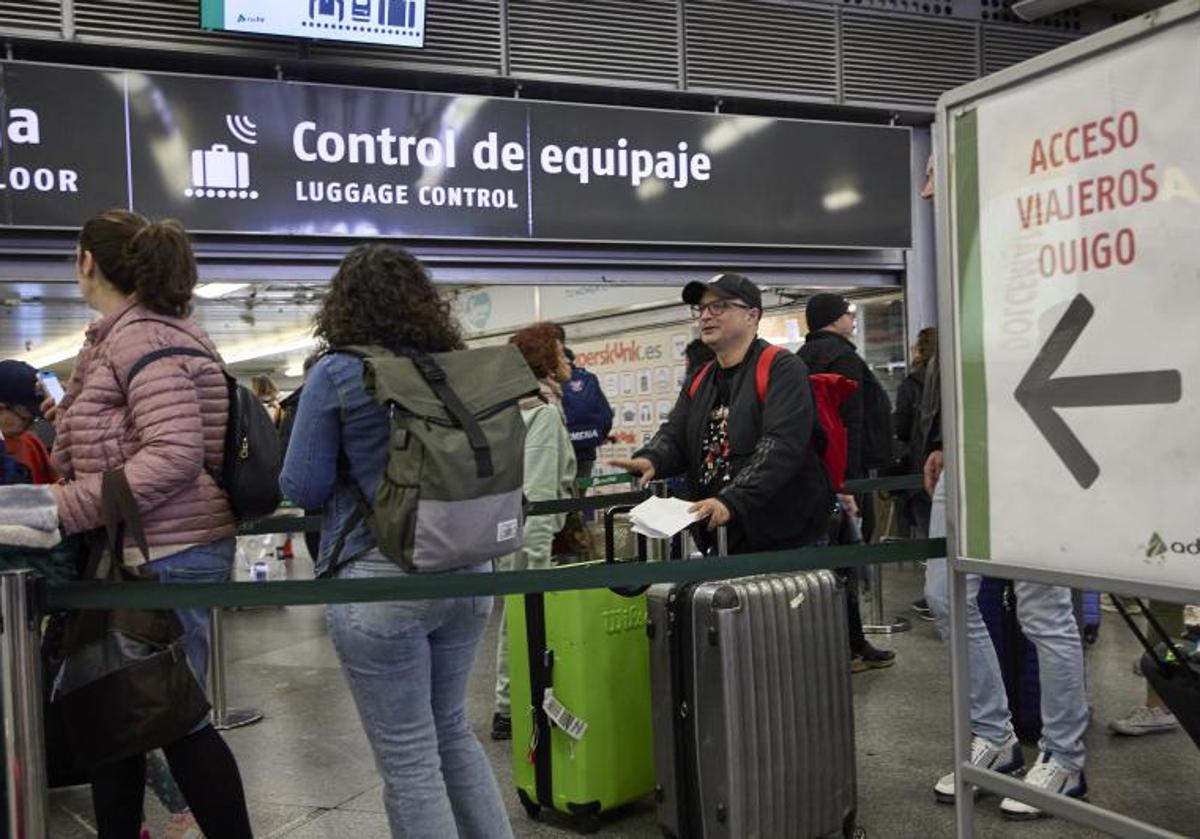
[(753, 719)]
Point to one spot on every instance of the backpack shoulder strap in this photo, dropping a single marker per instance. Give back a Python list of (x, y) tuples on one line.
[(762, 371), (165, 352), (699, 379)]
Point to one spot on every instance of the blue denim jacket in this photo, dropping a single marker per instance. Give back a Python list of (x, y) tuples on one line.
[(336, 414)]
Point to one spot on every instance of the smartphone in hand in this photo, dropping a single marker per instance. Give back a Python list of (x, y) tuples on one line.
[(51, 386)]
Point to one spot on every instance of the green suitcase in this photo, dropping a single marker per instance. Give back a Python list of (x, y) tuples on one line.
[(590, 649)]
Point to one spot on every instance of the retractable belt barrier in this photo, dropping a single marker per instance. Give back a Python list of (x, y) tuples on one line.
[(436, 586), (312, 524), (91, 595)]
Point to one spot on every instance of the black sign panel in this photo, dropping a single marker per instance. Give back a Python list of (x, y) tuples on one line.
[(240, 156), (62, 144)]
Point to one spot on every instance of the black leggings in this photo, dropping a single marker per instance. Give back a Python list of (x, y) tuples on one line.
[(207, 774)]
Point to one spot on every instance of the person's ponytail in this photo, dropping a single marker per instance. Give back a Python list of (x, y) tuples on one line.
[(162, 268), (150, 260)]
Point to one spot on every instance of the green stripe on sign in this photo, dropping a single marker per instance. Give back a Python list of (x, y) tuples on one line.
[(974, 444), (212, 14)]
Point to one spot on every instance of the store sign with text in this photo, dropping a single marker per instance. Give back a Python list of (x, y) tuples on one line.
[(241, 156)]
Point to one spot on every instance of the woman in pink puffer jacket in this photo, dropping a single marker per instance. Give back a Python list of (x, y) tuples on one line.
[(166, 429)]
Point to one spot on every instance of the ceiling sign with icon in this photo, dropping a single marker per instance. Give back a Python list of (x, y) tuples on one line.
[(398, 23), (280, 158)]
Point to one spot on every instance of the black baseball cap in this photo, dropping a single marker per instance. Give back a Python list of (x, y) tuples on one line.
[(727, 285)]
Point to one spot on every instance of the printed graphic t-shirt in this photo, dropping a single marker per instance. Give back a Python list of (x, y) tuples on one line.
[(716, 460)]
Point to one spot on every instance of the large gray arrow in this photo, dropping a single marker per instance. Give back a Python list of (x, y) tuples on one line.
[(1040, 395)]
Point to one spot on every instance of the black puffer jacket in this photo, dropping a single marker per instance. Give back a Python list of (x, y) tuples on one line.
[(828, 352), (780, 495)]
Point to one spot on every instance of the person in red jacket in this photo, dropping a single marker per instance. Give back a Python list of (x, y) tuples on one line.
[(19, 400)]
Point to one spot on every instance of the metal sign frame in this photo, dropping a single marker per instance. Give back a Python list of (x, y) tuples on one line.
[(950, 106)]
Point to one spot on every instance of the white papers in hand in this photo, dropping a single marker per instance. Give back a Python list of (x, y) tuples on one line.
[(661, 518)]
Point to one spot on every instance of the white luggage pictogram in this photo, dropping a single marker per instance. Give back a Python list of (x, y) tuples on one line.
[(220, 168)]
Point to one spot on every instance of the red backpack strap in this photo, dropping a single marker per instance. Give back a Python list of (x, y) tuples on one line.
[(762, 371), (699, 380)]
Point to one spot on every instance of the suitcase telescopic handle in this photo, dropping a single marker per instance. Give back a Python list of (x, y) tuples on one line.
[(610, 549)]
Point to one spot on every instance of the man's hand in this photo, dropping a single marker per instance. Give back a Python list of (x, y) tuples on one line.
[(934, 465), (712, 509), (849, 505), (638, 466)]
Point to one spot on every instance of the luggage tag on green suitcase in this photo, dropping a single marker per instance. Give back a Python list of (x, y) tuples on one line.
[(558, 714)]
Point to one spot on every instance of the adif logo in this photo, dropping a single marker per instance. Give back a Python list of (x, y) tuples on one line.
[(1157, 546)]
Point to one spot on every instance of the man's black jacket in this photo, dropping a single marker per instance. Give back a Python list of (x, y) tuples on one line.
[(828, 352), (780, 495)]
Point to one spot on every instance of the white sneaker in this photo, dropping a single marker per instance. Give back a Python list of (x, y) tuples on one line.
[(1005, 758), (1144, 719), (1052, 776)]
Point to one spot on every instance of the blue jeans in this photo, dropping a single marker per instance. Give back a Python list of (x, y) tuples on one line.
[(1048, 619), (211, 563), (408, 664)]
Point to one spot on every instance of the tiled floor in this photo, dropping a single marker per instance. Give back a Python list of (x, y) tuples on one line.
[(308, 771)]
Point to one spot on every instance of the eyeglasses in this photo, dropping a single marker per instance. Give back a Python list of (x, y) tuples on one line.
[(717, 307)]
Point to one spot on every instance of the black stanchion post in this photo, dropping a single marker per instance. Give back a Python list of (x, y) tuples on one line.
[(223, 717)]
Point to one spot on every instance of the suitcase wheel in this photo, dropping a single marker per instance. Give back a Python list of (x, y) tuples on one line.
[(585, 817), (532, 808)]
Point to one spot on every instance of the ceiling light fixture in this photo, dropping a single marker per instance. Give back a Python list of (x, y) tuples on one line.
[(288, 342), (211, 291)]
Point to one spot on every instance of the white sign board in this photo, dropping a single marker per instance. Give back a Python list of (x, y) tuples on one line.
[(1079, 284), (391, 22)]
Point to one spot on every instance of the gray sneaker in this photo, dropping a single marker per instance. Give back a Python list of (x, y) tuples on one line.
[(1005, 758), (1145, 719)]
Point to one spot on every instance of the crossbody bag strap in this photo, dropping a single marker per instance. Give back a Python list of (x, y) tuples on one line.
[(120, 517), (435, 377)]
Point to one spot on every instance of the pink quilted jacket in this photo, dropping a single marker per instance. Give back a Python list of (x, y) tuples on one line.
[(168, 431)]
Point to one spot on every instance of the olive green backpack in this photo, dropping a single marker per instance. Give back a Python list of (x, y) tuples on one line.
[(451, 494)]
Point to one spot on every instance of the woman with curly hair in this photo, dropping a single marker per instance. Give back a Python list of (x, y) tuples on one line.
[(407, 663), (549, 476)]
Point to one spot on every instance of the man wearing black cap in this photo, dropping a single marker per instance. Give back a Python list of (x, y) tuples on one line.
[(828, 349), (19, 407), (741, 430)]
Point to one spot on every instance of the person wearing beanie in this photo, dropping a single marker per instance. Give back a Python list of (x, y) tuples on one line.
[(20, 397), (828, 349)]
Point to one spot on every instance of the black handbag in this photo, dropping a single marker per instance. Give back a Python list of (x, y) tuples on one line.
[(124, 686)]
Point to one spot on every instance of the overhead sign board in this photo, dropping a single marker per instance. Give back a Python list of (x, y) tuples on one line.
[(265, 157), (399, 23), (1077, 221)]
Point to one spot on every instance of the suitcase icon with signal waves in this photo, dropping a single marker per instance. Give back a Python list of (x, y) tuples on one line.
[(220, 168)]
